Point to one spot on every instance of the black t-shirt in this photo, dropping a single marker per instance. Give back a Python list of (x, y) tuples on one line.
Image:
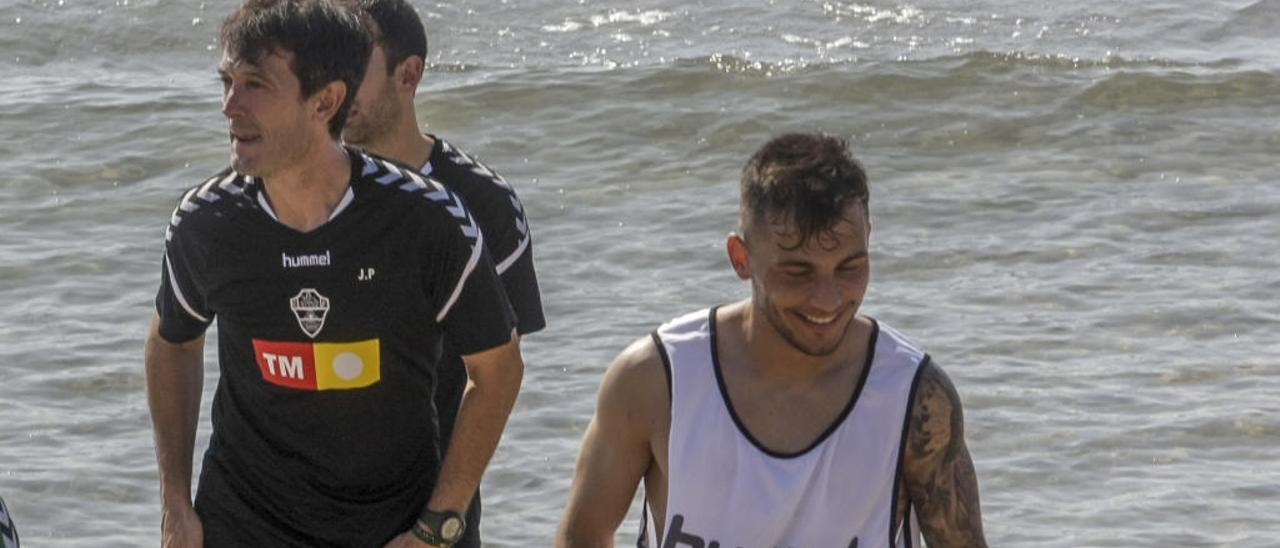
[(500, 214), (498, 211), (329, 344)]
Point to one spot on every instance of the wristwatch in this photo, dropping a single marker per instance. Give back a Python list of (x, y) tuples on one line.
[(440, 528)]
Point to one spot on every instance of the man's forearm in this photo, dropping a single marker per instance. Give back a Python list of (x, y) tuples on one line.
[(486, 404), (175, 380)]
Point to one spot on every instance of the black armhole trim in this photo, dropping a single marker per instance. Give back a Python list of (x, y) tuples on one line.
[(666, 364), (835, 424), (898, 485)]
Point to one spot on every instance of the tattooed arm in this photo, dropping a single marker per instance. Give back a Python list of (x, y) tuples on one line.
[(940, 480)]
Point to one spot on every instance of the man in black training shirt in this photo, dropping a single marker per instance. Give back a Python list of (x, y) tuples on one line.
[(383, 120), (335, 277)]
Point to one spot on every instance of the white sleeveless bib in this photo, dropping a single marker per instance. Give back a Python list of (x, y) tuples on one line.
[(725, 490)]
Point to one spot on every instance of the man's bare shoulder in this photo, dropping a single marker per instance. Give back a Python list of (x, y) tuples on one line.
[(936, 413), (638, 372), (634, 392)]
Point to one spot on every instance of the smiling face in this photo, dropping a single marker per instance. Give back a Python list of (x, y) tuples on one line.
[(267, 117), (809, 292)]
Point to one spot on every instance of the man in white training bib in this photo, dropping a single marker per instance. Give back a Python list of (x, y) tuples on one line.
[(786, 419)]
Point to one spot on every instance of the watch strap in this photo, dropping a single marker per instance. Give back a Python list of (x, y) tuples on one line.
[(444, 528), (427, 536)]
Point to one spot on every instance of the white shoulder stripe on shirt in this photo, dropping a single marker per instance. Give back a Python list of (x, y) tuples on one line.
[(521, 225), (177, 291), (462, 280), (428, 187), (513, 257)]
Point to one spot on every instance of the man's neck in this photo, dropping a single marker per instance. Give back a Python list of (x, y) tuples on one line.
[(305, 195), (407, 144)]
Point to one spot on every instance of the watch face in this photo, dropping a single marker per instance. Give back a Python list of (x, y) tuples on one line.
[(451, 529)]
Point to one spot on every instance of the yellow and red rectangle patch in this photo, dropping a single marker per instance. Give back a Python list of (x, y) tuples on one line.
[(319, 366)]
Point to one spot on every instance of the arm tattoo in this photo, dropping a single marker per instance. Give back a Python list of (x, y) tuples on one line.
[(940, 480)]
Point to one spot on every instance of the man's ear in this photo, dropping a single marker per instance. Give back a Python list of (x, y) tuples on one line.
[(409, 74), (739, 258), (328, 99)]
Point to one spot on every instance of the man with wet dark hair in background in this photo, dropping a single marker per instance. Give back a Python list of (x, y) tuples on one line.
[(334, 276), (384, 121), (787, 418)]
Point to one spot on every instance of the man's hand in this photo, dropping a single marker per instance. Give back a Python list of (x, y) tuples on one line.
[(175, 378), (181, 528), (407, 540)]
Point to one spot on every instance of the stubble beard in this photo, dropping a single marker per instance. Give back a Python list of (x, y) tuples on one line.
[(376, 124), (774, 316), (286, 149), (252, 167)]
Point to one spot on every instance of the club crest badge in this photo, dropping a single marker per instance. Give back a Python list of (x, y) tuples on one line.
[(310, 307)]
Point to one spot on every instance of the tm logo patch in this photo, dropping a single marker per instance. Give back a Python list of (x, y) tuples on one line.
[(319, 366)]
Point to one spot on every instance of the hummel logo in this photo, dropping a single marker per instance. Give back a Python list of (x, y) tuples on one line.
[(299, 261)]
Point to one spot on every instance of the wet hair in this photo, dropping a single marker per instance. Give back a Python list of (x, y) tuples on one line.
[(804, 181), (328, 42), (397, 29)]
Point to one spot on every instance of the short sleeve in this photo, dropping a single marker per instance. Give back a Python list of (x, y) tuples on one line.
[(180, 301), (470, 302), (521, 284), (510, 245)]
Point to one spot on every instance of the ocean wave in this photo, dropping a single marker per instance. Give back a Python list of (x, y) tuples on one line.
[(1257, 20), (1128, 90), (976, 61)]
